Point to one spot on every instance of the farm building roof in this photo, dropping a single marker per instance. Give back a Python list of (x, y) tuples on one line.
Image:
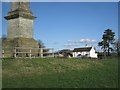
[(82, 49)]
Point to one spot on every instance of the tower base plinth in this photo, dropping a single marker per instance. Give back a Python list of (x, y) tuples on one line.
[(24, 44)]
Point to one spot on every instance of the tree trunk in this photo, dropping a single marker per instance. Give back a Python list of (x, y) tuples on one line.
[(108, 51), (104, 53)]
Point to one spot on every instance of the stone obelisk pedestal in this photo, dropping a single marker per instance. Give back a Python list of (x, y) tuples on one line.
[(20, 20), (20, 28)]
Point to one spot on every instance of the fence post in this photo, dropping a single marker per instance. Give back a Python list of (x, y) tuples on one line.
[(53, 52), (41, 52), (3, 53), (30, 53), (15, 52)]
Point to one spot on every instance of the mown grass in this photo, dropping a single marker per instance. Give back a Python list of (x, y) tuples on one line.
[(60, 73)]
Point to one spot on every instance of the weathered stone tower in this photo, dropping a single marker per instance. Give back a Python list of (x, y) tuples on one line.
[(20, 20), (20, 28)]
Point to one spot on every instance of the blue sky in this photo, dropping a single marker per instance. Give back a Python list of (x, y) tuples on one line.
[(56, 23)]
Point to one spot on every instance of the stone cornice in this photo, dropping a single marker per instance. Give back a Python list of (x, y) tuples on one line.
[(19, 13)]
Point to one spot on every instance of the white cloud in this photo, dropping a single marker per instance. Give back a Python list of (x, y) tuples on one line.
[(82, 41)]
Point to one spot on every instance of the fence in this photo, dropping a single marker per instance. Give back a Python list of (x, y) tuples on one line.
[(19, 52)]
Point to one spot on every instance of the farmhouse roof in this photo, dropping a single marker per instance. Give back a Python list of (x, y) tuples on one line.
[(82, 49), (66, 50)]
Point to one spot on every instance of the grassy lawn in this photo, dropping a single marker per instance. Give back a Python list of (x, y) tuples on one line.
[(60, 73)]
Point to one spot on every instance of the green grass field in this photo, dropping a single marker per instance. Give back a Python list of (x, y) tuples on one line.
[(60, 73)]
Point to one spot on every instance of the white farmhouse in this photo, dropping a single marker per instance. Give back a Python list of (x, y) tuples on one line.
[(85, 51)]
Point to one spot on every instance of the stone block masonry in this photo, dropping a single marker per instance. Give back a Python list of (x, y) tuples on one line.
[(20, 27), (20, 20)]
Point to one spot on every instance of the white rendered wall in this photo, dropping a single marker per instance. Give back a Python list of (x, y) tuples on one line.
[(75, 54), (92, 53)]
